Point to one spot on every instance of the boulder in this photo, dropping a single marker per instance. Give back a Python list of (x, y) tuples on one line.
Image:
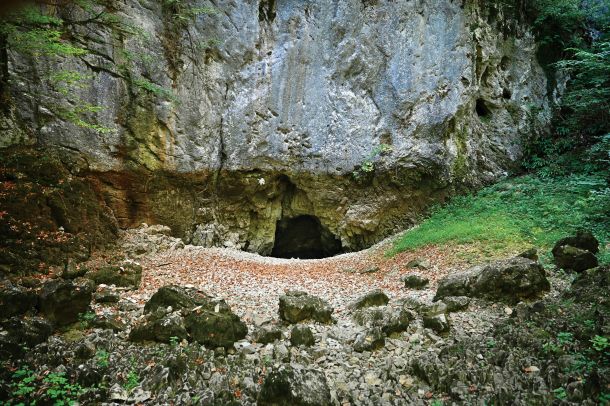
[(215, 329), (294, 385), (177, 297), (161, 327), (266, 334), (456, 303), (126, 275), (418, 263), (370, 339), (62, 301), (373, 298), (106, 295), (530, 253), (302, 335), (414, 281), (299, 306), (389, 320), (437, 322), (508, 280), (19, 334), (573, 258), (583, 240), (15, 300)]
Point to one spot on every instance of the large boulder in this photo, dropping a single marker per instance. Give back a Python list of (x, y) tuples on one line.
[(176, 297), (373, 298), (370, 339), (126, 275), (15, 300), (583, 240), (62, 301), (508, 280), (388, 320), (302, 335), (161, 327), (573, 258), (415, 281), (215, 329), (299, 306), (294, 385), (267, 333)]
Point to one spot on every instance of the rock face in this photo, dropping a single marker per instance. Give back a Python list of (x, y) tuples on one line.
[(299, 306), (295, 385), (333, 110), (508, 280)]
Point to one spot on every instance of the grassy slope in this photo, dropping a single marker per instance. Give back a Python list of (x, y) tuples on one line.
[(519, 212)]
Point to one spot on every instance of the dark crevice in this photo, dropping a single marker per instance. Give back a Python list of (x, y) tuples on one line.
[(266, 10), (304, 237), (482, 109)]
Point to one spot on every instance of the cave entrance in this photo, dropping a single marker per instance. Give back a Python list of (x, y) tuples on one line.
[(304, 237)]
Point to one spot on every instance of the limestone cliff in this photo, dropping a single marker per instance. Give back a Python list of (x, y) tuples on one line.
[(358, 113)]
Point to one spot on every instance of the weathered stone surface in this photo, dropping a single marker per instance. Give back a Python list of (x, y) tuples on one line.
[(414, 281), (508, 280), (301, 335), (373, 298), (62, 301), (17, 335), (437, 322), (370, 339), (389, 320), (294, 385), (215, 329), (575, 259), (15, 300), (300, 100), (106, 295), (127, 275), (456, 303), (266, 334), (160, 327), (177, 297), (583, 240), (299, 306)]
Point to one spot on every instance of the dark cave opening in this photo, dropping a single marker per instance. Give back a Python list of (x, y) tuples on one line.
[(304, 237), (482, 109)]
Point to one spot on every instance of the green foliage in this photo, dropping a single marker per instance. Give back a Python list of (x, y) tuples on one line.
[(600, 343), (54, 388), (154, 89), (132, 380), (86, 319), (529, 210), (560, 393), (368, 166), (103, 358)]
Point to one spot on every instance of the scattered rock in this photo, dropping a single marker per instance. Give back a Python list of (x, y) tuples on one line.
[(373, 298), (106, 295), (161, 327), (15, 300), (507, 280), (17, 335), (176, 297), (583, 240), (414, 281), (215, 329), (456, 303), (299, 306), (575, 259), (389, 320), (530, 253), (369, 340), (73, 271), (372, 269), (127, 275), (62, 301), (84, 350), (294, 385), (267, 333), (418, 263), (302, 335), (108, 322)]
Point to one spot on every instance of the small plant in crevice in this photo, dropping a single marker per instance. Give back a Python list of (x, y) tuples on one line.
[(368, 165), (102, 358)]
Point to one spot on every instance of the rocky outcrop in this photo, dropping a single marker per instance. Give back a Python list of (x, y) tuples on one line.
[(63, 301), (507, 280), (299, 306), (126, 275), (373, 298), (334, 110)]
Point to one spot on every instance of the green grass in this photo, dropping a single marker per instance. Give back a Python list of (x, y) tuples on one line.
[(527, 210)]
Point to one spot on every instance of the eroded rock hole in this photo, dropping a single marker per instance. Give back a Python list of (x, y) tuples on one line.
[(304, 237), (482, 109)]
